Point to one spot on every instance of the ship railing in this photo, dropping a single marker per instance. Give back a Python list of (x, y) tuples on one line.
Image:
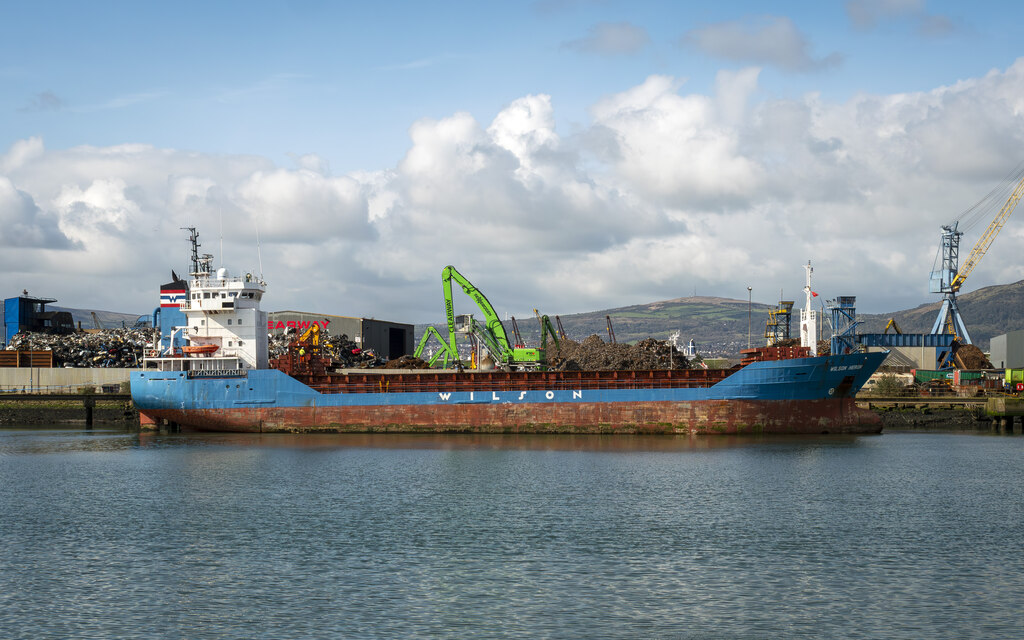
[(213, 281)]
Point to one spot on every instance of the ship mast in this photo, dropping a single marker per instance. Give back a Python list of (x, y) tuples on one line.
[(809, 317), (194, 239)]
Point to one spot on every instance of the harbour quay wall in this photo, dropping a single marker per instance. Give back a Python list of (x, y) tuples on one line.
[(61, 380), (47, 396), (998, 414), (48, 409)]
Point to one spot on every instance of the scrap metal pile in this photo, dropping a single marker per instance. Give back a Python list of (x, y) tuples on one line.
[(594, 354), (104, 348), (968, 356), (342, 352), (125, 348), (406, 362)]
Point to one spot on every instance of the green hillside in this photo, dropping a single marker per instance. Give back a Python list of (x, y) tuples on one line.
[(717, 325)]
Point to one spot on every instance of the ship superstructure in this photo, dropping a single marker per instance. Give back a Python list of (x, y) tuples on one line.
[(224, 327)]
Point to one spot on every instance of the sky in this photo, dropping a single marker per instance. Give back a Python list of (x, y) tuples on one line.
[(563, 155)]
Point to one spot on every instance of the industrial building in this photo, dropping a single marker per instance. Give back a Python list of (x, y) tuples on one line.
[(387, 339), (27, 313), (910, 350), (1007, 351)]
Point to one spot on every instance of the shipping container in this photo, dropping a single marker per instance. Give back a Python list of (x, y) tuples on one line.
[(9, 358), (922, 376), (964, 377)]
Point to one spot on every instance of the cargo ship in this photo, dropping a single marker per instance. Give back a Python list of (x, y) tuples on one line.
[(224, 380)]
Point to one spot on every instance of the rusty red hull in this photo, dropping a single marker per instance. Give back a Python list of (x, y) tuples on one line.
[(701, 417)]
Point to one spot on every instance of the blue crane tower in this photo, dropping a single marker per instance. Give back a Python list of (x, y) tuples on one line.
[(950, 276)]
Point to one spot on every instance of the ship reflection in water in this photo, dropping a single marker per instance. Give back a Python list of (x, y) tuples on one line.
[(113, 534)]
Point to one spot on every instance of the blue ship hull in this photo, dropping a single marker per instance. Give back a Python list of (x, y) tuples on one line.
[(803, 395)]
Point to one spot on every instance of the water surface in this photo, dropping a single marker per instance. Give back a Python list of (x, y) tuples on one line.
[(109, 534)]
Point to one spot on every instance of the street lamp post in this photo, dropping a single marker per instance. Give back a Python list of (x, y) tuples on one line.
[(749, 290)]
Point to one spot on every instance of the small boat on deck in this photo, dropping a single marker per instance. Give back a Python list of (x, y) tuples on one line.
[(199, 349)]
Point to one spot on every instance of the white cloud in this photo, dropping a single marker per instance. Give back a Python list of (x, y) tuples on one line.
[(21, 152), (733, 90), (525, 128), (611, 39), (24, 225), (102, 210), (675, 148), (305, 207), (662, 192), (935, 26), (766, 40), (867, 14)]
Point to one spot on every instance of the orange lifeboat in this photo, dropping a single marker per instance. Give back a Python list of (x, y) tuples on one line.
[(199, 349)]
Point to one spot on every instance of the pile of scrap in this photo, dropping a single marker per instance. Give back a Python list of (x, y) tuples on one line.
[(277, 345), (105, 348), (594, 354), (406, 362), (970, 357), (339, 351)]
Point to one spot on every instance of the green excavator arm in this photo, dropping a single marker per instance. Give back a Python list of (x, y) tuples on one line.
[(547, 329), (445, 349), (493, 333)]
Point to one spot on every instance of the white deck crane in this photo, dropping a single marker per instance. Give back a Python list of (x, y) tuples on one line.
[(950, 277)]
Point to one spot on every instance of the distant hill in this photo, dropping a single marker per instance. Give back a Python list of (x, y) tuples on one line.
[(719, 325)]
